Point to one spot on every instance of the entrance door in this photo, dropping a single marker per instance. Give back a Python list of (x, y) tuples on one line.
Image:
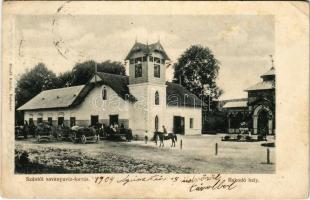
[(156, 123), (178, 125), (262, 123), (113, 119), (94, 119)]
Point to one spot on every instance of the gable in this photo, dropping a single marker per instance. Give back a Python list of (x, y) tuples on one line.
[(95, 78)]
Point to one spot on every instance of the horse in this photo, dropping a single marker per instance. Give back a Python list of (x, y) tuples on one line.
[(161, 136)]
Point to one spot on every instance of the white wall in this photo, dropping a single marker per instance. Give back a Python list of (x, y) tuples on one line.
[(93, 104), (187, 113), (141, 114)]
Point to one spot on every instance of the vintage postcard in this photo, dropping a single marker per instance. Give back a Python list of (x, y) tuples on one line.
[(108, 99)]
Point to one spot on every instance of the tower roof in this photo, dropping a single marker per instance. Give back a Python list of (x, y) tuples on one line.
[(270, 72), (147, 49)]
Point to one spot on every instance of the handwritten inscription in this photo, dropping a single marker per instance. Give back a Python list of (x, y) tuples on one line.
[(194, 183)]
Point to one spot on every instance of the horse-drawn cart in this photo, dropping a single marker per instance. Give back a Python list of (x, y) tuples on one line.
[(84, 135), (44, 132)]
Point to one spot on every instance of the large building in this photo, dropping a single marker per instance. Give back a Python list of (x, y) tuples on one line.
[(141, 101), (258, 110)]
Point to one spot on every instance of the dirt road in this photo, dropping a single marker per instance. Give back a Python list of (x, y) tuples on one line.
[(197, 156)]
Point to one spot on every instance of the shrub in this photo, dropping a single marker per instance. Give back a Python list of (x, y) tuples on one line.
[(248, 138), (226, 137)]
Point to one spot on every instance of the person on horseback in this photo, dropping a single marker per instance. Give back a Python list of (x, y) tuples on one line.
[(165, 131)]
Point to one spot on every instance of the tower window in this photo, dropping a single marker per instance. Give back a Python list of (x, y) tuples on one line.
[(156, 98), (138, 60), (151, 58), (138, 70), (157, 60), (104, 94), (157, 71), (144, 59), (162, 61), (131, 61)]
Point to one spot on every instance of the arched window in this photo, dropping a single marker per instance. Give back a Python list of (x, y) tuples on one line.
[(156, 123), (156, 98), (104, 93)]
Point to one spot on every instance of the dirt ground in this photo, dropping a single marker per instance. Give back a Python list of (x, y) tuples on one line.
[(196, 156)]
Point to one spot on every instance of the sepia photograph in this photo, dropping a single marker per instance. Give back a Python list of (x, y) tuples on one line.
[(155, 99), (145, 94)]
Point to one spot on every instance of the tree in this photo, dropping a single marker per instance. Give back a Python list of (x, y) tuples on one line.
[(197, 70), (65, 79), (33, 82), (82, 72)]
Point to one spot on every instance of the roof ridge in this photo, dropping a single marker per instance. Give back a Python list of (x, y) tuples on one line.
[(112, 74), (63, 88)]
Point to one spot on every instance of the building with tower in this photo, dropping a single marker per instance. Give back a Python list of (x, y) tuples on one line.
[(142, 101), (258, 110)]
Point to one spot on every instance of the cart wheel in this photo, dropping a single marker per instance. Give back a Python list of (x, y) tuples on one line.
[(83, 139), (73, 138)]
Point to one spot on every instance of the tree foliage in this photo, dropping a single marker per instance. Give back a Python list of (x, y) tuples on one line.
[(40, 78), (33, 82), (197, 70), (82, 72)]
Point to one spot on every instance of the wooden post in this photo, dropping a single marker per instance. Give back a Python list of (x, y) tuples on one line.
[(268, 156), (181, 143), (216, 149)]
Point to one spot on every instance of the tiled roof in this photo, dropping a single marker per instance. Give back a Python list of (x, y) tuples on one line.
[(236, 104), (177, 95), (55, 98), (118, 83), (147, 49), (72, 96), (265, 85)]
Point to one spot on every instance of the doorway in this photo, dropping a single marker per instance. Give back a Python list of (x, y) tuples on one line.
[(262, 123), (156, 123), (178, 125), (94, 119), (113, 119)]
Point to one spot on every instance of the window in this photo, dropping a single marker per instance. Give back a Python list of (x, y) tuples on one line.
[(157, 71), (162, 61), (39, 120), (131, 61), (72, 121), (104, 93), (138, 70), (191, 122), (156, 123), (138, 60), (157, 60), (94, 119), (61, 120), (156, 98), (50, 121), (144, 59), (151, 59)]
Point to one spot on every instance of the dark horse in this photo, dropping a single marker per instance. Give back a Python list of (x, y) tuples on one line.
[(161, 136)]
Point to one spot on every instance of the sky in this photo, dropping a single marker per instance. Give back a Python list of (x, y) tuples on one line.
[(242, 43)]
